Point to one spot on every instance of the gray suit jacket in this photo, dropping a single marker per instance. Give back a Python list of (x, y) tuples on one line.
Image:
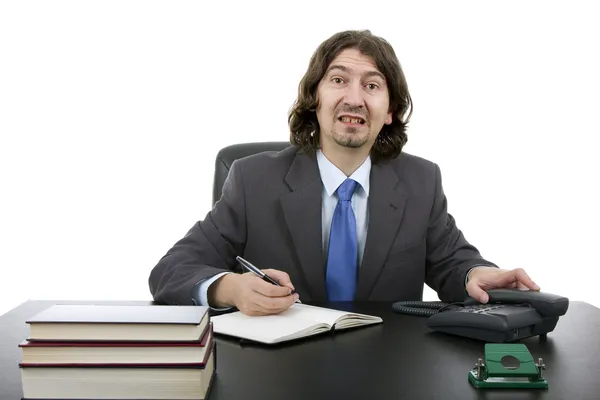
[(270, 214)]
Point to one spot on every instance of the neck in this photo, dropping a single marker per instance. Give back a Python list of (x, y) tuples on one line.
[(346, 159)]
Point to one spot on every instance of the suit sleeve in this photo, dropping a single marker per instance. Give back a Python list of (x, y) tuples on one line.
[(449, 255), (208, 248)]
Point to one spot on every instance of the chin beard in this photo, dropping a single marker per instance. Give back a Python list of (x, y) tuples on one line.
[(351, 141)]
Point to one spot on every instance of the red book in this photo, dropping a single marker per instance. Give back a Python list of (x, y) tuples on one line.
[(112, 354)]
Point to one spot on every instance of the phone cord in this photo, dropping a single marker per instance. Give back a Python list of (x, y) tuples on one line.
[(420, 308)]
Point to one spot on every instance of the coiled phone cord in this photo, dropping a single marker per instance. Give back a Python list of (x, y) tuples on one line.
[(421, 308)]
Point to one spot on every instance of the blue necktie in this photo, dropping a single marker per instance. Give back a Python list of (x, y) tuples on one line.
[(342, 254)]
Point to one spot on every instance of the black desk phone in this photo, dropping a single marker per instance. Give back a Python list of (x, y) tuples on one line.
[(508, 316)]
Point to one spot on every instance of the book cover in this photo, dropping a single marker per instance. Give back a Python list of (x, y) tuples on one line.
[(120, 314), (118, 323)]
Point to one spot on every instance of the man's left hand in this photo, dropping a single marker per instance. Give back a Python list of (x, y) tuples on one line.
[(482, 279)]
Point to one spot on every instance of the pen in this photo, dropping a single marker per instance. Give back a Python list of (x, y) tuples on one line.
[(258, 272)]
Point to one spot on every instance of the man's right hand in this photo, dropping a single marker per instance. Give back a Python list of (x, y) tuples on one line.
[(251, 295)]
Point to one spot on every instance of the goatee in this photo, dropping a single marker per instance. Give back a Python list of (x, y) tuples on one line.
[(352, 141)]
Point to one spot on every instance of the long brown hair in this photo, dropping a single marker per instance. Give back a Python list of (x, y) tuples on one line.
[(302, 118)]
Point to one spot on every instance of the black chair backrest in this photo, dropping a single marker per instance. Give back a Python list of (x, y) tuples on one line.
[(229, 154)]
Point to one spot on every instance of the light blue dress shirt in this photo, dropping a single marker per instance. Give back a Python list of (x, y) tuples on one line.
[(332, 177)]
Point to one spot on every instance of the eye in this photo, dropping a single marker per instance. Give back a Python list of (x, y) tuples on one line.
[(337, 79), (372, 86)]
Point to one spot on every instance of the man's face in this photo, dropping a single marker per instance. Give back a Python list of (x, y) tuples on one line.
[(353, 101)]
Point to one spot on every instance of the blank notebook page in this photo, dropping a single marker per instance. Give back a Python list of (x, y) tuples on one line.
[(299, 317)]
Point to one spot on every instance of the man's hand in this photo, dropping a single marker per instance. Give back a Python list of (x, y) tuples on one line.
[(482, 279), (251, 295)]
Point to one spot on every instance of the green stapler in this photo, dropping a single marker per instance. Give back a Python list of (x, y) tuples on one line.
[(508, 366)]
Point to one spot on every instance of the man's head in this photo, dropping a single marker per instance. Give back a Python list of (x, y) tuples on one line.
[(353, 94)]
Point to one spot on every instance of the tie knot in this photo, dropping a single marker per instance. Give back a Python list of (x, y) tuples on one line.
[(346, 189)]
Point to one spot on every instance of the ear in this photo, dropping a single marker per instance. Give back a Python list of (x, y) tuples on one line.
[(388, 118)]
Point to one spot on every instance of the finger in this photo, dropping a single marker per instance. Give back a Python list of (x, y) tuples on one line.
[(253, 310), (521, 286), (477, 293), (282, 277), (248, 310), (268, 289), (524, 279), (273, 305), (252, 304)]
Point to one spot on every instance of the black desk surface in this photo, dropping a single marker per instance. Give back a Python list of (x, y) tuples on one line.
[(399, 359)]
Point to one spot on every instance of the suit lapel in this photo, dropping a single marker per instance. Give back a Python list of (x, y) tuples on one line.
[(302, 211), (387, 199)]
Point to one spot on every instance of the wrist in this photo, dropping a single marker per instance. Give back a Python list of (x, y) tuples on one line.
[(469, 274), (221, 292), (474, 269)]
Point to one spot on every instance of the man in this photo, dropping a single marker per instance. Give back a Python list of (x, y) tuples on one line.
[(342, 215)]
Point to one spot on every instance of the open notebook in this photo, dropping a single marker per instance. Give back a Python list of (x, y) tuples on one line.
[(298, 321)]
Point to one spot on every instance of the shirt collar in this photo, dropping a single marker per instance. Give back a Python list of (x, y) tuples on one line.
[(333, 177)]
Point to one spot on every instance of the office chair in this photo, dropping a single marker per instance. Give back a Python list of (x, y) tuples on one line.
[(227, 155)]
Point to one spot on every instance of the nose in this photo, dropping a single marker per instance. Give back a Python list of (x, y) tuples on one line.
[(354, 95)]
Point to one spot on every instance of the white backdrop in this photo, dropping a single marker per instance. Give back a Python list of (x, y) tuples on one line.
[(111, 113)]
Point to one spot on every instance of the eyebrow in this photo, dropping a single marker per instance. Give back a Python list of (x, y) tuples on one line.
[(348, 70)]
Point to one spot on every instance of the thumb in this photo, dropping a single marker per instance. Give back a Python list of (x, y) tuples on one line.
[(282, 277), (478, 293)]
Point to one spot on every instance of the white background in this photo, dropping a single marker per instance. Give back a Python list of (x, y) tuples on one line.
[(111, 113)]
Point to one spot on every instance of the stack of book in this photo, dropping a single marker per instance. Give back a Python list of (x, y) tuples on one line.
[(119, 352)]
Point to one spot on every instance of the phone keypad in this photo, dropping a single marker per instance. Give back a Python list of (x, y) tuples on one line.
[(482, 308)]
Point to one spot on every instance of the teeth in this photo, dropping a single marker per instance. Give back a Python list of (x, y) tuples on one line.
[(351, 120)]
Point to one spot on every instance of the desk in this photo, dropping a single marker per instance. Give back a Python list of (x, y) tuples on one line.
[(399, 359)]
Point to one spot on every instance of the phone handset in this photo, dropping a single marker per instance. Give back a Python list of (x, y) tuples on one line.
[(546, 304)]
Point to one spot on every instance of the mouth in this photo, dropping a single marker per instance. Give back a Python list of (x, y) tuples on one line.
[(351, 120)]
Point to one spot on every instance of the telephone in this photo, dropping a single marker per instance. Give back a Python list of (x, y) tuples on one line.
[(509, 315)]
